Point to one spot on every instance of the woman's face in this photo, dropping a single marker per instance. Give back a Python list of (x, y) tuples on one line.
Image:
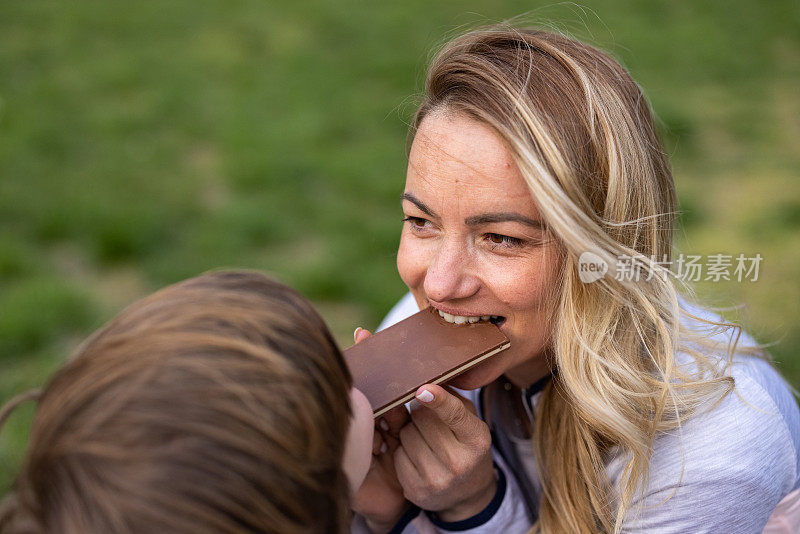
[(474, 243)]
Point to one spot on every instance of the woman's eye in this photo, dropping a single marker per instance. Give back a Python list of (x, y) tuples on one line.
[(416, 222), (504, 240)]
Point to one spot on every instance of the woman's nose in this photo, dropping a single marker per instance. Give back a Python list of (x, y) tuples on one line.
[(449, 275)]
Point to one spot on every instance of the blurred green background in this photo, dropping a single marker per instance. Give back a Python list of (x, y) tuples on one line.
[(145, 142)]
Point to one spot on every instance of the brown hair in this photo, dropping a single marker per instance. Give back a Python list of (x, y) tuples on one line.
[(216, 405)]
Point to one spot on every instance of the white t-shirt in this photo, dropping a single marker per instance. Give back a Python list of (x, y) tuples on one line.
[(723, 471)]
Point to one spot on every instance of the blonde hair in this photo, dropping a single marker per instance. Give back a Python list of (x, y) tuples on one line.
[(217, 405), (582, 135)]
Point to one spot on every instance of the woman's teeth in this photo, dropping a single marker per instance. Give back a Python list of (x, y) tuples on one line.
[(463, 319)]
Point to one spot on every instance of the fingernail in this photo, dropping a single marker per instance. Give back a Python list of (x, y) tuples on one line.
[(425, 396), (355, 333), (384, 425), (383, 447)]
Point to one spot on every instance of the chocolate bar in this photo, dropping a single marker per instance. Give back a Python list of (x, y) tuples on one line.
[(390, 365)]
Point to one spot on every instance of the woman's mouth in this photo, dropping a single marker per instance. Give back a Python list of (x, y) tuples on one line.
[(464, 319)]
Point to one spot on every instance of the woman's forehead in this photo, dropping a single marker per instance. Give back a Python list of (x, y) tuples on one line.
[(446, 141), (455, 156)]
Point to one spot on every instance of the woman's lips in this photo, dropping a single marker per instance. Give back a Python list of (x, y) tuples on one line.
[(461, 317)]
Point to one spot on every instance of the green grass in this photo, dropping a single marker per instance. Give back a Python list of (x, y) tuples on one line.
[(142, 143)]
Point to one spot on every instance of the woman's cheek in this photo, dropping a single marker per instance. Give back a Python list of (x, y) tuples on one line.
[(410, 262), (522, 290)]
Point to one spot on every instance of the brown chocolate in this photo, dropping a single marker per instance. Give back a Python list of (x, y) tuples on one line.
[(389, 366)]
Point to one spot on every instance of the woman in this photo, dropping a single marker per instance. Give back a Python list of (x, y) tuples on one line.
[(217, 405), (618, 407)]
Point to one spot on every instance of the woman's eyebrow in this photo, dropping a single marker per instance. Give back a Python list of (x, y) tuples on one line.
[(418, 203), (485, 218), (488, 218)]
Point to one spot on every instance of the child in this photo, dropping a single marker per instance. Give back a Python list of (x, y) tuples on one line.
[(217, 405)]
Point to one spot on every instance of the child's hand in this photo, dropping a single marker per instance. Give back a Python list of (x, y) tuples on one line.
[(380, 498)]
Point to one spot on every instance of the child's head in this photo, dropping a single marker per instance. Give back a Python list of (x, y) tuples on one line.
[(219, 404)]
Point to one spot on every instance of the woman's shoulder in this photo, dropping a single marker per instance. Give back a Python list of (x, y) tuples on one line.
[(727, 465), (761, 411), (724, 469), (713, 328), (758, 385)]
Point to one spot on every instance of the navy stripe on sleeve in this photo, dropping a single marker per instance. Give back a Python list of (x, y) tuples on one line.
[(407, 518), (482, 517)]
